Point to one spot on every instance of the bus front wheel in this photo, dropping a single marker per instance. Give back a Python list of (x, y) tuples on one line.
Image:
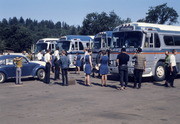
[(159, 72)]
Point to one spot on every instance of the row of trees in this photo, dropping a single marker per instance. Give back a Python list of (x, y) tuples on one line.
[(19, 34)]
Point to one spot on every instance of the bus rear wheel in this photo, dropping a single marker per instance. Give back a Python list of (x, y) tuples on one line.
[(159, 72)]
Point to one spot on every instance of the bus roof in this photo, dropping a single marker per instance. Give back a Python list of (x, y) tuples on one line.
[(145, 26), (108, 34), (47, 40), (50, 39), (81, 37)]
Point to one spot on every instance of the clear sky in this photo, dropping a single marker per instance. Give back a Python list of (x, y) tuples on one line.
[(73, 12)]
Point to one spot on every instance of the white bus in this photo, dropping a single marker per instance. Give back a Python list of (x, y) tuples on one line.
[(73, 44), (154, 39), (102, 41), (45, 44)]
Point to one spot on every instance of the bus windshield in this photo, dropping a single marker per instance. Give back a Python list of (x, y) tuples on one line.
[(64, 45), (40, 47), (131, 39), (97, 43)]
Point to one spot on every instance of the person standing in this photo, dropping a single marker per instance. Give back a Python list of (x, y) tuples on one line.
[(167, 68), (122, 61), (47, 59), (77, 62), (88, 67), (103, 70), (39, 56), (52, 61), (173, 68), (64, 64), (56, 53), (98, 57), (56, 69), (139, 67), (18, 63)]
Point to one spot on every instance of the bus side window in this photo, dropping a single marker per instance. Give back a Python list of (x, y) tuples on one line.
[(146, 43), (72, 47), (76, 45), (87, 45), (156, 40), (151, 41), (52, 46), (80, 46)]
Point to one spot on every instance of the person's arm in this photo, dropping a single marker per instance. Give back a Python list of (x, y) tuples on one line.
[(90, 61), (144, 65), (117, 61), (171, 67)]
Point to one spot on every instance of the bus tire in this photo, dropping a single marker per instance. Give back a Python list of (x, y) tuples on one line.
[(159, 72)]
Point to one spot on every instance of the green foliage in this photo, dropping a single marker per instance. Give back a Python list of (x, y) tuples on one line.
[(95, 23), (161, 14), (19, 34), (2, 45)]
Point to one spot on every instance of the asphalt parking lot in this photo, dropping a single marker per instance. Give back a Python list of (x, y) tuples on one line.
[(37, 103)]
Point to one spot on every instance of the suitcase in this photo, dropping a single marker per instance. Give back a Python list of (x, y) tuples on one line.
[(71, 81)]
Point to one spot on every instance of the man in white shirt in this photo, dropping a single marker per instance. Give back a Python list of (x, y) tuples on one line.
[(39, 56), (56, 53), (47, 59), (173, 68)]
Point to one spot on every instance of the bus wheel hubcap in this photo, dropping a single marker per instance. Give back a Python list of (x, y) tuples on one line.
[(160, 71)]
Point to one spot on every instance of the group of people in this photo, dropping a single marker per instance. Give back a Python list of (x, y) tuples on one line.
[(171, 69), (62, 63), (102, 63), (140, 65), (55, 62)]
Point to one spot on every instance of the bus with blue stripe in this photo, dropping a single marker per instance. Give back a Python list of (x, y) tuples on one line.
[(102, 41), (73, 44), (154, 39)]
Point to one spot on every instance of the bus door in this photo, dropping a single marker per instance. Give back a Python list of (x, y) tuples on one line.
[(152, 50), (52, 46)]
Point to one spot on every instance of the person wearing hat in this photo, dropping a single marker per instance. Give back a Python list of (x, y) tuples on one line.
[(122, 61), (139, 67)]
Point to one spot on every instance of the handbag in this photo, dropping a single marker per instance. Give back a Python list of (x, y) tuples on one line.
[(97, 66)]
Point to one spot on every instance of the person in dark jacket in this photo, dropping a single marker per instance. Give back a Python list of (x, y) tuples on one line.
[(64, 64), (56, 69), (122, 61)]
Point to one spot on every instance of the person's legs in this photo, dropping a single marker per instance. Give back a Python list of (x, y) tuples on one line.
[(48, 72), (126, 76), (78, 70), (17, 73), (135, 78), (105, 79), (63, 80), (20, 72), (121, 75), (66, 77), (140, 72), (102, 80), (167, 75), (88, 79), (173, 76)]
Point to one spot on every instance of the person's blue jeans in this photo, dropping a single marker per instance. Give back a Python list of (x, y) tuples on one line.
[(18, 75)]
